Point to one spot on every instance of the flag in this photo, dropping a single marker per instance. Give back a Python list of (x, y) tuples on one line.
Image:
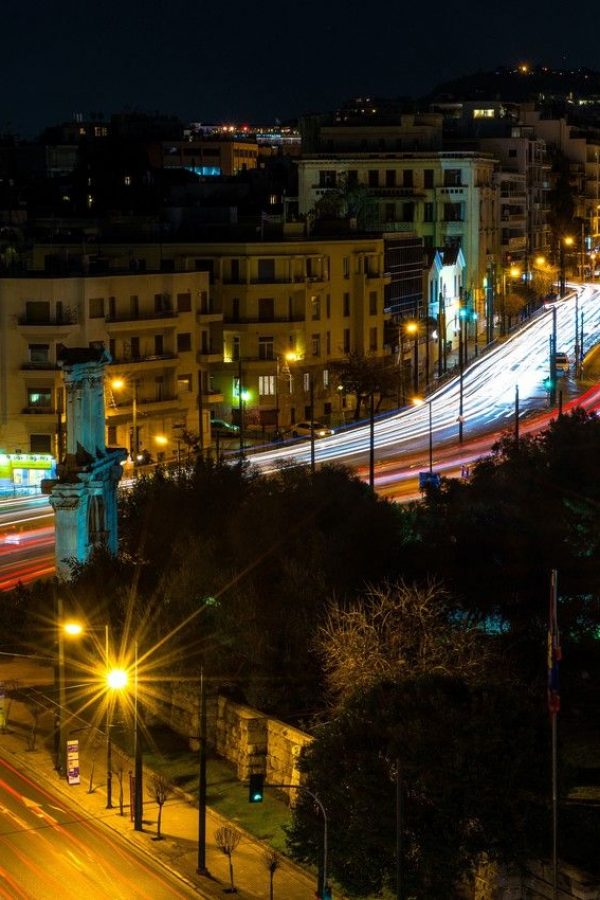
[(554, 651)]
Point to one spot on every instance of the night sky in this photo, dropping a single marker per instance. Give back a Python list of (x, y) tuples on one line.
[(255, 61)]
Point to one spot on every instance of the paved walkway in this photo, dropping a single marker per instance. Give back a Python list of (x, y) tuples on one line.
[(179, 849)]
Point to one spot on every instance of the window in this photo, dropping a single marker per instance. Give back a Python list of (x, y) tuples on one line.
[(266, 385), (453, 212), (373, 178), (352, 178), (428, 178), (390, 178), (134, 348), (162, 303), (134, 306), (389, 212), (112, 308), (346, 344), (40, 443), (184, 303), (266, 309), (235, 349), (266, 348), (184, 342), (306, 384), (346, 304), (372, 303), (184, 383), (315, 308), (328, 306), (408, 212), (328, 343), (346, 266), (372, 339), (512, 152), (485, 113), (327, 178), (37, 311), (235, 270), (316, 344), (159, 344), (266, 270), (112, 435), (39, 398), (235, 309), (428, 212), (325, 378), (407, 178), (39, 354), (452, 178), (96, 307), (205, 306)]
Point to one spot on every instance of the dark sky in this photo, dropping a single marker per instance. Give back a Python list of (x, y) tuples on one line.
[(254, 61)]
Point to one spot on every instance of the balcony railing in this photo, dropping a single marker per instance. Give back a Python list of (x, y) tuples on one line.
[(41, 366), (255, 320), (142, 317), (48, 321), (39, 411), (154, 357)]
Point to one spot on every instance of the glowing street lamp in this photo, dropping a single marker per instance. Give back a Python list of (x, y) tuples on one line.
[(567, 241), (120, 384)]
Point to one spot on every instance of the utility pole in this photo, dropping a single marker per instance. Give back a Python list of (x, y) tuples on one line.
[(201, 868), (372, 442), (311, 385), (241, 408)]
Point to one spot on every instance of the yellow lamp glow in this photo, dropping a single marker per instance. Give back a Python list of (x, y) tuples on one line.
[(73, 629), (540, 260), (117, 679), (161, 440), (411, 327), (569, 241), (117, 383)]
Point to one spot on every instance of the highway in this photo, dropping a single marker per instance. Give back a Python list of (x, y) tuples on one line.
[(401, 439), (51, 850)]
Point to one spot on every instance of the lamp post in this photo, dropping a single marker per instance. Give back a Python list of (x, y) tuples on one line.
[(201, 867), (567, 241), (442, 332), (412, 328), (119, 384), (137, 752), (489, 300)]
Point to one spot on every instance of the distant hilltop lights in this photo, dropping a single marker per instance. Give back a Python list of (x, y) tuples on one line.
[(263, 134)]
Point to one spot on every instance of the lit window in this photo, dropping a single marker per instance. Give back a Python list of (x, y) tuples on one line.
[(266, 385), (325, 378)]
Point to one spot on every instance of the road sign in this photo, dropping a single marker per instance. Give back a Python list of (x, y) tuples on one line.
[(429, 479), (73, 776)]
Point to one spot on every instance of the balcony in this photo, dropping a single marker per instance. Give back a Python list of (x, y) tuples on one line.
[(209, 355), (206, 317), (146, 404), (41, 366), (255, 320), (39, 411), (154, 360), (210, 397), (517, 243), (130, 321), (64, 322), (453, 227)]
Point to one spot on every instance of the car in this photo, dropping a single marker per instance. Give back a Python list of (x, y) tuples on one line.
[(223, 427), (561, 361), (305, 429)]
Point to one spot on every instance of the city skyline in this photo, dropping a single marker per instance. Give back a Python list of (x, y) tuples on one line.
[(275, 64)]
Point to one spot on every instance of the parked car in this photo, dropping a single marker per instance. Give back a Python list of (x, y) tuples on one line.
[(224, 427), (305, 429)]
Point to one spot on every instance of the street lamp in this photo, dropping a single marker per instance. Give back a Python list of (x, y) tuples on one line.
[(118, 680), (567, 241), (119, 384), (412, 328)]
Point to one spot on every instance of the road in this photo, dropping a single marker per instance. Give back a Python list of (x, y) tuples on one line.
[(26, 540), (50, 850)]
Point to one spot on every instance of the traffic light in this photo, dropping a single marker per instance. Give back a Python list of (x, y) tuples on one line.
[(256, 788), (548, 384)]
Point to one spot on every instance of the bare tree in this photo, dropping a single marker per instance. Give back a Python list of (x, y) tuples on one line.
[(35, 711), (121, 796), (159, 791), (272, 861), (227, 840), (395, 632)]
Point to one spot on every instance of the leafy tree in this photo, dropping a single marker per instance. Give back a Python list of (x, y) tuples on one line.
[(469, 762), (366, 377)]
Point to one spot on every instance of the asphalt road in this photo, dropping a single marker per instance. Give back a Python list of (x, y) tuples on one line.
[(49, 850)]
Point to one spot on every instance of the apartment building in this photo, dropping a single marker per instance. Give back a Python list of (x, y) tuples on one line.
[(278, 314), (448, 199), (156, 328)]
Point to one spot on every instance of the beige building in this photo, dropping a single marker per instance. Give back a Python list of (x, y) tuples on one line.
[(281, 311), (447, 198), (156, 328)]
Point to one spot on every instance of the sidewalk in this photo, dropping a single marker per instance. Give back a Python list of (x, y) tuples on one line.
[(179, 849)]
